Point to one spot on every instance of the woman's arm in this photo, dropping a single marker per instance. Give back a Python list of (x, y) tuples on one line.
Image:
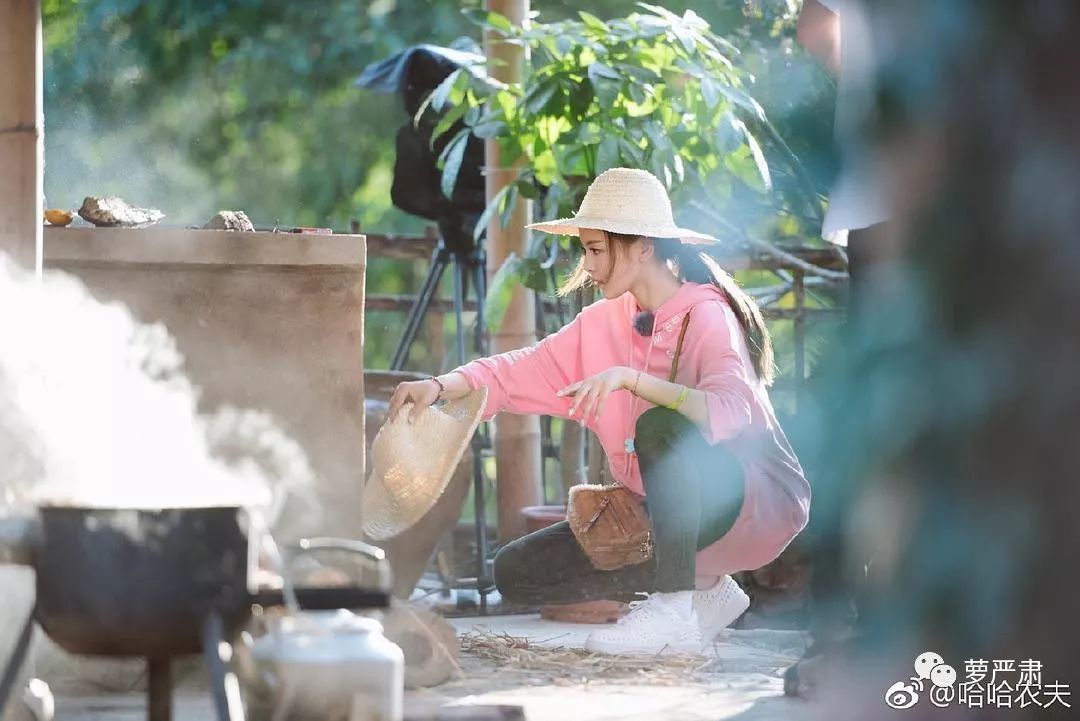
[(453, 386), (662, 393)]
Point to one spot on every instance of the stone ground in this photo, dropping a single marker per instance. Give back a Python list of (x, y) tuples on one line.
[(526, 661)]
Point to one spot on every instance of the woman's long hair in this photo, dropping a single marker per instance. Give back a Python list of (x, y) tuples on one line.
[(689, 263)]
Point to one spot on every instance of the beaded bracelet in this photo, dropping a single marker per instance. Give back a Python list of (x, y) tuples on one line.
[(442, 388)]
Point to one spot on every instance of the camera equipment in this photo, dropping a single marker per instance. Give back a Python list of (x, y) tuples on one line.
[(414, 74)]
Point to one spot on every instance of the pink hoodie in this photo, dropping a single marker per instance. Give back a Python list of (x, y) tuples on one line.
[(714, 359)]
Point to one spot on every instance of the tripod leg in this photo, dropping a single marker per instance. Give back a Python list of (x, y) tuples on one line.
[(479, 269), (483, 584), (459, 308), (419, 309), (462, 267)]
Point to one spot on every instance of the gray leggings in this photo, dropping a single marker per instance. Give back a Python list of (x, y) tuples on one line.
[(693, 491)]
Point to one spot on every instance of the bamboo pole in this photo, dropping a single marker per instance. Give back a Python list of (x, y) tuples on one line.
[(517, 438), (21, 127)]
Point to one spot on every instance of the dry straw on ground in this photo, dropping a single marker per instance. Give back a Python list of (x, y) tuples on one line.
[(538, 659)]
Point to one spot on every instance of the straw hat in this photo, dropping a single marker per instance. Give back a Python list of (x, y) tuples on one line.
[(412, 463), (625, 200)]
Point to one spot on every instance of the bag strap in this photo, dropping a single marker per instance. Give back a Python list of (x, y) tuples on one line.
[(678, 347)]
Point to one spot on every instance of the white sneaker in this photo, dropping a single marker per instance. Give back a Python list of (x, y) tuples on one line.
[(718, 607), (663, 621)]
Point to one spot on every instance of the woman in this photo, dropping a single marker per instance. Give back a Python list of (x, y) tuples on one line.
[(723, 488)]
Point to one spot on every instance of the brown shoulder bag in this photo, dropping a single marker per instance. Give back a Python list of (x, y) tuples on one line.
[(610, 523)]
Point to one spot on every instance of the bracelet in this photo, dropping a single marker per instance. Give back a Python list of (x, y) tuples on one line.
[(679, 401), (442, 388), (637, 379)]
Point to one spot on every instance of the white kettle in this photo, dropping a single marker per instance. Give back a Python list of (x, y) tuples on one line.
[(332, 665)]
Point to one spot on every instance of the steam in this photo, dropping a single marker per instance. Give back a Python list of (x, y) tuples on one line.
[(96, 411)]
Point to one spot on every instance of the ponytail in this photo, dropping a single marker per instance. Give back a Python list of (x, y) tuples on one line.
[(698, 267)]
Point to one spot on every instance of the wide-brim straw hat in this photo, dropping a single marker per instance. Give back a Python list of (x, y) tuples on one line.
[(629, 201), (412, 463)]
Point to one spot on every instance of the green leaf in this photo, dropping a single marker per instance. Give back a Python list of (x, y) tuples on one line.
[(658, 139), (452, 156), (590, 133), (600, 70), (490, 129), (452, 116), (607, 155), (632, 151), (606, 89), (509, 202), (657, 165), (532, 275), (743, 100), (489, 19), (572, 161), (593, 22), (710, 92), (489, 212), (563, 46), (759, 162), (687, 37), (441, 95), (729, 132), (540, 95), (527, 189), (501, 291)]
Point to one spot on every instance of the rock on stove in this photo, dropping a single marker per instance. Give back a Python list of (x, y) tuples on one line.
[(115, 212), (230, 220)]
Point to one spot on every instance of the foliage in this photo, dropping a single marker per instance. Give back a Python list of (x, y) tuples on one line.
[(653, 90), (195, 106)]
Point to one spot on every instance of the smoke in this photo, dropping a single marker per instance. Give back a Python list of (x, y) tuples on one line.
[(95, 410)]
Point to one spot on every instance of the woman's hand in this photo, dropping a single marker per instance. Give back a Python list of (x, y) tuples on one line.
[(420, 393), (591, 394)]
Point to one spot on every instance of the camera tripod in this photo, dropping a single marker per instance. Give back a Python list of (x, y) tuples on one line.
[(470, 263)]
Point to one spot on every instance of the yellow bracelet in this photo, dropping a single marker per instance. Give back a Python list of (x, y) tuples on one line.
[(679, 401)]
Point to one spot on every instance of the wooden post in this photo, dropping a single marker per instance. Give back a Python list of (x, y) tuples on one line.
[(20, 237), (21, 127), (517, 438)]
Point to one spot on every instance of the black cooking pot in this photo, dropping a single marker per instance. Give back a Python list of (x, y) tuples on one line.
[(156, 583), (136, 582), (141, 582)]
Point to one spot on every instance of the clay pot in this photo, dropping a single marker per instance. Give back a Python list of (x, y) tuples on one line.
[(538, 517)]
